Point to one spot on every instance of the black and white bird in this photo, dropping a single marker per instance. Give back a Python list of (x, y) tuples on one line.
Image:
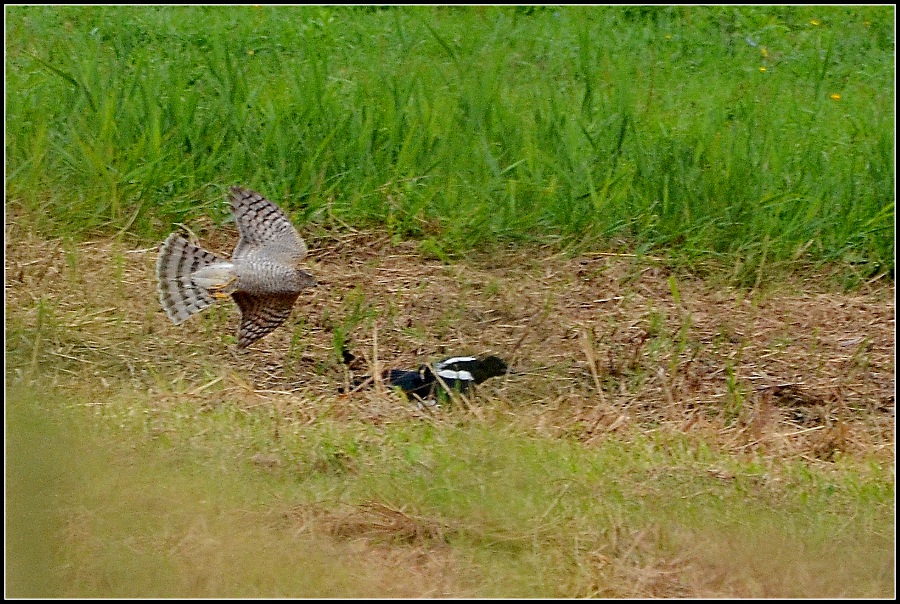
[(457, 374)]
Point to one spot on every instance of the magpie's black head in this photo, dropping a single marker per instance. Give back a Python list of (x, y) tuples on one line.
[(488, 367)]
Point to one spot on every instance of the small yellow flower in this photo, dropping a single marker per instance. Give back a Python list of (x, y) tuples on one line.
[(668, 36), (815, 22), (835, 97), (765, 52), (762, 68), (251, 52)]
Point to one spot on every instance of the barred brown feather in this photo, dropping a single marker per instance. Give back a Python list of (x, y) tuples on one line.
[(261, 315)]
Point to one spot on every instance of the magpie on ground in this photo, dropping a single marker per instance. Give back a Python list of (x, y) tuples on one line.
[(454, 373)]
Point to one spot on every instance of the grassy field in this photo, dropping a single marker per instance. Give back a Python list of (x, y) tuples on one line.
[(445, 509), (723, 136), (676, 224)]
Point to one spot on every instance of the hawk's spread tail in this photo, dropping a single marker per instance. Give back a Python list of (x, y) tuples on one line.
[(179, 294)]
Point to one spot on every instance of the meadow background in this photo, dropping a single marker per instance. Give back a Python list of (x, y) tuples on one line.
[(747, 137), (724, 155)]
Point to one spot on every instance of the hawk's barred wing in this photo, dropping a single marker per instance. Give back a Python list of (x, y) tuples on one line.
[(261, 314), (262, 224)]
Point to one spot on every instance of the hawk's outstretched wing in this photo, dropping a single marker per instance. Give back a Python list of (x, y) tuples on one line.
[(262, 224), (261, 314)]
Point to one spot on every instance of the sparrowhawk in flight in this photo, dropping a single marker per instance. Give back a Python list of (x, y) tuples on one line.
[(263, 276)]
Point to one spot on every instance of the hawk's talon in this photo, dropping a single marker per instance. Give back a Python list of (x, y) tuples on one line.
[(216, 291)]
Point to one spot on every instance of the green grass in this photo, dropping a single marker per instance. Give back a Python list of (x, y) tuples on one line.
[(653, 129), (122, 496)]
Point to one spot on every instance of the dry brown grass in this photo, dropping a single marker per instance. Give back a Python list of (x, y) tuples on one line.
[(599, 343)]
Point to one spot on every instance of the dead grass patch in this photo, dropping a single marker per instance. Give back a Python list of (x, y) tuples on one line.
[(373, 521), (599, 343)]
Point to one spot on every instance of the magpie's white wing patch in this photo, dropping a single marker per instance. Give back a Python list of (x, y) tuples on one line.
[(447, 374), (451, 360)]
